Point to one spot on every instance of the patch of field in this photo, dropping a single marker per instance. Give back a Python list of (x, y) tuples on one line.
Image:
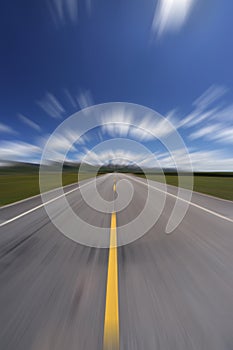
[(218, 186), (16, 186)]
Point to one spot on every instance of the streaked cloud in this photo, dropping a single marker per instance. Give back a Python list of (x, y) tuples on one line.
[(205, 107), (212, 94), (197, 116), (18, 150), (59, 143), (216, 132), (78, 101), (67, 142), (66, 11), (85, 99), (201, 160), (51, 106), (63, 11), (73, 137), (6, 129), (29, 122), (202, 132), (211, 119), (171, 15), (121, 123), (70, 98)]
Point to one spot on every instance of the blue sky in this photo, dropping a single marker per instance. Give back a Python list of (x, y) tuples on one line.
[(174, 56)]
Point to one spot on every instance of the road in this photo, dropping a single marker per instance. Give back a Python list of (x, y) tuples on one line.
[(172, 292)]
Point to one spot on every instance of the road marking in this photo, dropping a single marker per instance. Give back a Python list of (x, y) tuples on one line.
[(114, 187), (111, 320), (184, 200), (43, 204)]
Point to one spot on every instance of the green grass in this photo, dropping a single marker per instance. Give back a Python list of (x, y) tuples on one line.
[(218, 186), (16, 186)]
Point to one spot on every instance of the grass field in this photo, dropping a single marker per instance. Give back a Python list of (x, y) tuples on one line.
[(16, 186), (219, 186)]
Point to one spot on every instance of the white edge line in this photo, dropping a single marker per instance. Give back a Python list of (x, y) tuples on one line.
[(181, 199), (43, 204)]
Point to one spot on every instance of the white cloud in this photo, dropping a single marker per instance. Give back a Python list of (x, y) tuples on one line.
[(224, 135), (7, 129), (66, 11), (212, 94), (67, 143), (51, 106), (63, 11), (210, 160), (197, 116), (225, 114), (70, 98), (29, 122), (82, 100), (73, 137), (59, 143), (118, 123), (85, 99), (18, 150), (204, 109), (171, 15), (211, 116), (121, 123), (216, 132), (203, 132)]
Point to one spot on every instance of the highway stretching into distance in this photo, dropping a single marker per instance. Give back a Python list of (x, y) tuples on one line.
[(168, 292)]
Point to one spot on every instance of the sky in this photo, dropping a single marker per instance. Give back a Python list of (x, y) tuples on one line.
[(173, 56)]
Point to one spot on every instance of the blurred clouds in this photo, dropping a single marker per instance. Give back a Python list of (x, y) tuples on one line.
[(51, 106), (121, 123), (6, 129), (70, 98), (213, 93), (63, 10), (171, 15), (18, 151), (66, 11), (211, 119), (216, 132), (85, 99), (67, 141), (29, 122), (203, 106), (204, 160), (204, 131)]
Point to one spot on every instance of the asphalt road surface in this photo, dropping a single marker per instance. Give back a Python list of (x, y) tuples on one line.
[(168, 292)]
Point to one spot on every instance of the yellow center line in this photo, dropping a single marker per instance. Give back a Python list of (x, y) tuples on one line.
[(111, 321)]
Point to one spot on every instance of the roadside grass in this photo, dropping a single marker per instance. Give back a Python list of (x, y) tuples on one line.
[(218, 186), (16, 186)]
